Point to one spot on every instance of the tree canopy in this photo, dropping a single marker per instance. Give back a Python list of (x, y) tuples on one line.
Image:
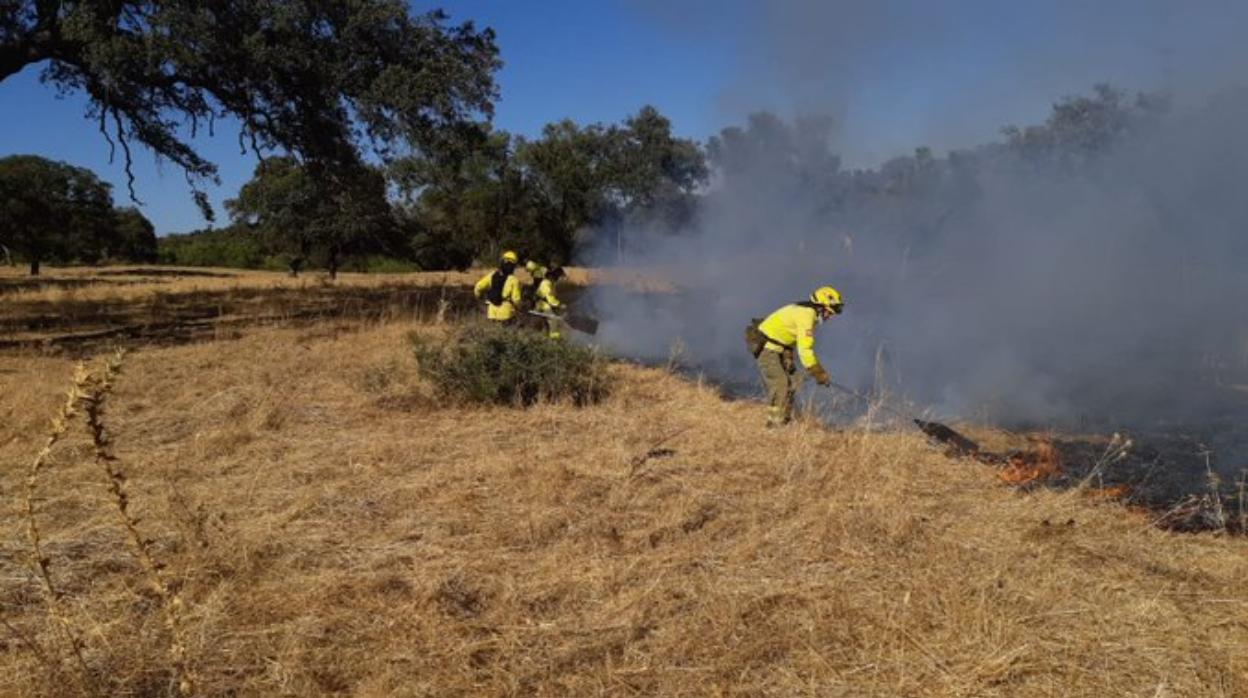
[(55, 212), (135, 236), (317, 79), (546, 195), (301, 212)]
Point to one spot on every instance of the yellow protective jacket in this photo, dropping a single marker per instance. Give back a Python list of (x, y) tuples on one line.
[(547, 302), (511, 297), (792, 327)]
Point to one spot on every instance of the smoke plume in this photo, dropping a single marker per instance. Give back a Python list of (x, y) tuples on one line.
[(1087, 269)]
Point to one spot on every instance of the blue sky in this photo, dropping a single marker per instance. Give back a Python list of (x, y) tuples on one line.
[(895, 73)]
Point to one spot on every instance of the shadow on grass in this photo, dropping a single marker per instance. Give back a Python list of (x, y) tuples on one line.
[(160, 271)]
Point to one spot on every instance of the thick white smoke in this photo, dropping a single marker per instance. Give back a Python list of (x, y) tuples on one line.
[(1111, 287)]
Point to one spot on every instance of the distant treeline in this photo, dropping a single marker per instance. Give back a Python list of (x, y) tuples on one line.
[(485, 191), (241, 248), (613, 187)]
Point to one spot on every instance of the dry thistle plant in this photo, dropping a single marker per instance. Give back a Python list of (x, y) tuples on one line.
[(93, 401), (40, 562), (443, 306)]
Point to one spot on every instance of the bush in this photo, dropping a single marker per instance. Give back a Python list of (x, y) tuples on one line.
[(225, 247), (484, 363), (380, 264)]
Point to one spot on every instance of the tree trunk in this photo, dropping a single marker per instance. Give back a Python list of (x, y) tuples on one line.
[(333, 264), (34, 267)]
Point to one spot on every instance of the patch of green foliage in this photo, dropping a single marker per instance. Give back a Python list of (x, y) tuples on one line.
[(485, 363), (380, 264), (223, 247)]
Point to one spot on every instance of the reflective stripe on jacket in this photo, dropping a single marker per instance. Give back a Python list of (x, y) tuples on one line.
[(793, 327), (511, 297)]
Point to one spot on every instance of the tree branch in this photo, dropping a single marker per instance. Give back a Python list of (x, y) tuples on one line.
[(125, 149)]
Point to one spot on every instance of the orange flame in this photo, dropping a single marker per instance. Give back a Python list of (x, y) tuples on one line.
[(1040, 463), (1111, 492)]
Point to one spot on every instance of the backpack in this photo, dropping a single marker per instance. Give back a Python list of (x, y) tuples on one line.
[(528, 293), (755, 340), (497, 282)]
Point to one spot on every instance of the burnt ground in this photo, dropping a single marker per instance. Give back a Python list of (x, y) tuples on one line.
[(1189, 477), (127, 276), (167, 272), (84, 326), (1185, 476), (79, 326)]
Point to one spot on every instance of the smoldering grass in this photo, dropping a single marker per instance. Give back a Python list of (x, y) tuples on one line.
[(1118, 448)]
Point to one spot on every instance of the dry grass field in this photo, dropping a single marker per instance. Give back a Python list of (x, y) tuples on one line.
[(82, 310), (302, 518)]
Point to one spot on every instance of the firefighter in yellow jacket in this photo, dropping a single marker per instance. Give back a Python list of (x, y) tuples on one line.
[(548, 302), (788, 331), (537, 271), (501, 290)]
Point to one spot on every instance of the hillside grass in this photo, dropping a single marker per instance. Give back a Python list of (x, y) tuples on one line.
[(331, 529)]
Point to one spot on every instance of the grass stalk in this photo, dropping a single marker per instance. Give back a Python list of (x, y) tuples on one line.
[(38, 560), (171, 605)]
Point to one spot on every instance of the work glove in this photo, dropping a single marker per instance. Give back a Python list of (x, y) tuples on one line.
[(820, 375)]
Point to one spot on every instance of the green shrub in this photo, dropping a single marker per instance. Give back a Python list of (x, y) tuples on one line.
[(484, 363), (380, 264), (225, 247)]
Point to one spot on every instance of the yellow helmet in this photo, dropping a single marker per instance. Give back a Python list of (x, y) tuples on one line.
[(829, 298), (510, 256)]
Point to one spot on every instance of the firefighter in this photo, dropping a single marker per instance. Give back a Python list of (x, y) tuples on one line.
[(548, 302), (786, 332), (537, 271), (528, 291), (501, 290)]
